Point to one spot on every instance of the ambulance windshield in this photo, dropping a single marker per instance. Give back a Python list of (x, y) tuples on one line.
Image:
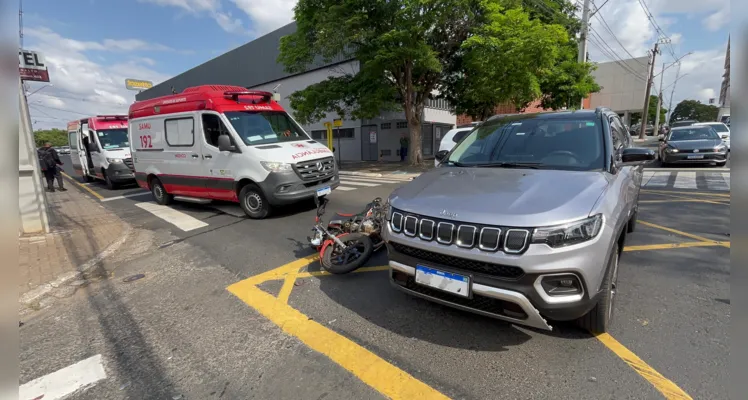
[(265, 127), (113, 138)]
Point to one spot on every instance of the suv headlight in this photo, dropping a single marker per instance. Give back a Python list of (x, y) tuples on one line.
[(114, 160), (720, 148), (273, 166), (569, 234)]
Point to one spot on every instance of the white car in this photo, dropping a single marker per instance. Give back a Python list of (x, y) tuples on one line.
[(453, 137), (722, 130)]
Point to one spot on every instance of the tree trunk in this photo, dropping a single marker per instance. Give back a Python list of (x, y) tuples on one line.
[(415, 151)]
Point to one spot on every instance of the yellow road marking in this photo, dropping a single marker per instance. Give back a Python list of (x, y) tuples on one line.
[(282, 271), (325, 273), (687, 193), (701, 238), (98, 196), (669, 389), (678, 200), (714, 201), (671, 246), (382, 376), (287, 287)]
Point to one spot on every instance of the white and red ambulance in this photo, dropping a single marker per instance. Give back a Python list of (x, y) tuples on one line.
[(218, 142), (100, 149)]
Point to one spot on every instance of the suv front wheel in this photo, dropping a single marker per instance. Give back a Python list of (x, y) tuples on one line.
[(598, 319)]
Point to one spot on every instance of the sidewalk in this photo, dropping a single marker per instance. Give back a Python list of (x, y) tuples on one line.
[(83, 232), (390, 169)]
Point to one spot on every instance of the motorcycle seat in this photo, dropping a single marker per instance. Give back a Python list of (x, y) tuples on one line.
[(344, 215)]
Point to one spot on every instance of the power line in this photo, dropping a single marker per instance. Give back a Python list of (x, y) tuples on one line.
[(657, 27), (607, 27), (82, 99), (62, 109), (612, 54)]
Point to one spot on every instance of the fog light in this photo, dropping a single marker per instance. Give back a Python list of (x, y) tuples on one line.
[(561, 285), (283, 188)]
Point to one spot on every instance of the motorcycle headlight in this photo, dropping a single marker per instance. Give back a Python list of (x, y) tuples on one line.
[(273, 166), (114, 160), (569, 234)]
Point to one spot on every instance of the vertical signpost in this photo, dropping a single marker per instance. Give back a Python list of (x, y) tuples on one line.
[(338, 123)]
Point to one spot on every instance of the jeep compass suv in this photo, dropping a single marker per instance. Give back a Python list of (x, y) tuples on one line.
[(523, 221)]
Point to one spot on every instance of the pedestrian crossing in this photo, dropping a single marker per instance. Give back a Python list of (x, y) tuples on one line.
[(348, 183), (693, 180)]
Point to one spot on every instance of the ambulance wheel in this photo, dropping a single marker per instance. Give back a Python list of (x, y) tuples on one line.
[(253, 202), (111, 185), (159, 193)]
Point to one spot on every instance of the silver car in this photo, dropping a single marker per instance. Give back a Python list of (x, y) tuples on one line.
[(695, 144), (523, 221)]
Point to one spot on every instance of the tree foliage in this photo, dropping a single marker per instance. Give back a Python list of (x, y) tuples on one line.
[(652, 112), (58, 137), (475, 53), (696, 110)]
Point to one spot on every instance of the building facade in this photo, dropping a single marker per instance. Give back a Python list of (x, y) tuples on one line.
[(254, 66), (724, 93)]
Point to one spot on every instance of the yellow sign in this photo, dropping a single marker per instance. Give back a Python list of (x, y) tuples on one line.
[(338, 122), (135, 84)]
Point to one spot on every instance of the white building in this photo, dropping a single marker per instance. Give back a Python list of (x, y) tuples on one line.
[(254, 66)]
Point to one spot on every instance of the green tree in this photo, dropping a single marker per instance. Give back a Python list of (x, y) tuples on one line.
[(652, 112), (696, 110), (58, 137), (409, 51)]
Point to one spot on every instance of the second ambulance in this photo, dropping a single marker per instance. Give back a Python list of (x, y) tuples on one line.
[(218, 142)]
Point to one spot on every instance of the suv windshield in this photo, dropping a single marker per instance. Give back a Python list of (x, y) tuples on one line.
[(548, 143), (113, 138), (699, 133), (265, 127)]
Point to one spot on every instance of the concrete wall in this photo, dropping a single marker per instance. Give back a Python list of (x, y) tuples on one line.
[(32, 205), (622, 88)]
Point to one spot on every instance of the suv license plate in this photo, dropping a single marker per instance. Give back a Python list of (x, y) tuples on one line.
[(699, 157), (324, 191), (446, 281)]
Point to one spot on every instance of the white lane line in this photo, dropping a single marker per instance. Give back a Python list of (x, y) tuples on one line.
[(126, 196), (63, 382), (659, 179), (345, 188), (726, 177), (352, 183), (685, 180), (646, 176), (715, 181), (172, 216), (358, 179)]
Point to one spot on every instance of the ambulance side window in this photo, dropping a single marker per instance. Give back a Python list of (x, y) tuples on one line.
[(180, 132), (213, 127)]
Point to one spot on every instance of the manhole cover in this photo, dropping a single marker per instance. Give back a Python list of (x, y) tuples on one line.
[(133, 277)]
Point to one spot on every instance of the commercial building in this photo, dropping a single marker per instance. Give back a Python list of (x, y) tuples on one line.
[(254, 66), (724, 93), (622, 86)]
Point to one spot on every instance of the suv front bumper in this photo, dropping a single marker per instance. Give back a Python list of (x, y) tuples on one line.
[(286, 187)]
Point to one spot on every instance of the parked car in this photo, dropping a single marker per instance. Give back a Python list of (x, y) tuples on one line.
[(684, 122), (525, 221), (722, 130), (649, 131), (64, 150), (697, 144), (451, 138)]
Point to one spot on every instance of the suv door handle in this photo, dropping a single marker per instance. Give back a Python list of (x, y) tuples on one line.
[(208, 156), (195, 156)]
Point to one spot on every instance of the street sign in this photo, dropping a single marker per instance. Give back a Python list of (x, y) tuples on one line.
[(32, 66), (373, 137), (338, 122), (135, 84)]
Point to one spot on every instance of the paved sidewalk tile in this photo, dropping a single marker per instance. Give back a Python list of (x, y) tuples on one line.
[(81, 228)]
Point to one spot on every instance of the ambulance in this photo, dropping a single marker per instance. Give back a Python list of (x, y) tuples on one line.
[(218, 142), (100, 149)]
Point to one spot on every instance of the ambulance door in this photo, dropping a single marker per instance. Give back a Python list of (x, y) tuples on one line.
[(182, 173), (75, 160), (219, 165)]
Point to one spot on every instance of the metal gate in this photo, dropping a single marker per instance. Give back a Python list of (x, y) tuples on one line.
[(369, 143)]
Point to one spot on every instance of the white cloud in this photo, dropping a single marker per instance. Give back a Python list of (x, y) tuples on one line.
[(266, 18), (82, 86), (200, 8), (718, 20), (700, 76)]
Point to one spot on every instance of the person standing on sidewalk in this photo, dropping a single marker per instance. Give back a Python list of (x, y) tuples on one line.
[(49, 161), (404, 142)]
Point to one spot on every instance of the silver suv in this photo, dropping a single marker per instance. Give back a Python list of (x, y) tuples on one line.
[(523, 221)]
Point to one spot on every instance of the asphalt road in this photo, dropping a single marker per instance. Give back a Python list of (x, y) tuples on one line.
[(180, 332)]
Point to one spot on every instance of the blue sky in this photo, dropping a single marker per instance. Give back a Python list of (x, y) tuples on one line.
[(93, 45)]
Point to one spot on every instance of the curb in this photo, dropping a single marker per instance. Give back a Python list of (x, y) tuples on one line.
[(42, 291)]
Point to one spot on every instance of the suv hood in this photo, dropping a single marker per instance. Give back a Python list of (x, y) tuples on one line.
[(502, 196)]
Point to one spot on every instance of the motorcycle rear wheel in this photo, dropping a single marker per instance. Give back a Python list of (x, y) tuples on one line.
[(336, 261)]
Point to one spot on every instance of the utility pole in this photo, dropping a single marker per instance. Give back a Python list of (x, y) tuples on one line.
[(659, 102), (650, 78), (582, 56), (672, 93)]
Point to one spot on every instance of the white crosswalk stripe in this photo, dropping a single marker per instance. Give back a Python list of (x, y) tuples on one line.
[(348, 183), (715, 181), (685, 180), (177, 218), (659, 179)]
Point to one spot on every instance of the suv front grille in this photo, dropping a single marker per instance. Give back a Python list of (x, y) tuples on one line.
[(492, 270), (465, 235), (315, 169), (129, 163)]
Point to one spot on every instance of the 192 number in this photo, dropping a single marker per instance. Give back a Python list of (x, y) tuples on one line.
[(146, 141)]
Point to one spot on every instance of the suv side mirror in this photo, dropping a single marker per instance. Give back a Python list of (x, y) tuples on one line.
[(224, 143), (637, 156), (441, 154)]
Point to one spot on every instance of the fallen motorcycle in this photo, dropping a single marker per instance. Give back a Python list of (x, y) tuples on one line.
[(346, 243)]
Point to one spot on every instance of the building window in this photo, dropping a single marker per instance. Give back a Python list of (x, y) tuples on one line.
[(402, 125), (180, 132), (387, 125), (343, 133)]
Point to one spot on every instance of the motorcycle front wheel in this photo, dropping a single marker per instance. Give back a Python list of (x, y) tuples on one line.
[(358, 250)]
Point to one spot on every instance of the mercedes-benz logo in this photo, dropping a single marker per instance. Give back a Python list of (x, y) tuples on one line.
[(319, 166)]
